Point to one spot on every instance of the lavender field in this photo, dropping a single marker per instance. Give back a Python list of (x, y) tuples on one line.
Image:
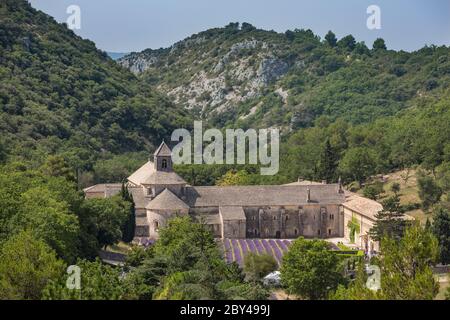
[(236, 249)]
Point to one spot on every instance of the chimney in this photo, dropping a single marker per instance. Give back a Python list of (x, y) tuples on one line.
[(308, 195)]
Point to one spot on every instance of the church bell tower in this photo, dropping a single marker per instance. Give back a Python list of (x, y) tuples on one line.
[(163, 158)]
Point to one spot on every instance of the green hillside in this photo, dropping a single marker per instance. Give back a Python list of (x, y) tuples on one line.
[(60, 94)]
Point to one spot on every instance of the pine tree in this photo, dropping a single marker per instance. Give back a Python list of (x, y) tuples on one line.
[(331, 39), (390, 221)]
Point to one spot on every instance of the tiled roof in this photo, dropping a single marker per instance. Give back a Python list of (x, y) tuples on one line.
[(303, 183), (364, 206), (140, 201), (167, 200), (232, 213), (163, 178), (142, 174), (262, 195), (109, 189)]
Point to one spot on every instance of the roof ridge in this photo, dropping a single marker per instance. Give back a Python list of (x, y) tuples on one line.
[(163, 150), (174, 200)]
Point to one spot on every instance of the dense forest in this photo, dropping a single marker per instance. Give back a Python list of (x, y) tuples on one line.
[(61, 95)]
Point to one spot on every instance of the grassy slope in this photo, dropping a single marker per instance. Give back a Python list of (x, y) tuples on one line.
[(408, 191)]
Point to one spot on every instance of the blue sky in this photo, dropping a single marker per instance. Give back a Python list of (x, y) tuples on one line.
[(134, 25)]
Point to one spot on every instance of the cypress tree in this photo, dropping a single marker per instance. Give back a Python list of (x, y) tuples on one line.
[(130, 225)]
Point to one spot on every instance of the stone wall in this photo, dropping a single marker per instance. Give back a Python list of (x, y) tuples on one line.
[(311, 221)]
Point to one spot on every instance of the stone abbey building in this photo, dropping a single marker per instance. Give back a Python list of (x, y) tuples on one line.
[(308, 209)]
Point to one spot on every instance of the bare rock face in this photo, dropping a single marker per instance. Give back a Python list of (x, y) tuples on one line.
[(270, 69), (213, 75), (139, 62)]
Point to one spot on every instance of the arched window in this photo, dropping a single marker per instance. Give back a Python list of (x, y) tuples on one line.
[(296, 232), (164, 164), (155, 225)]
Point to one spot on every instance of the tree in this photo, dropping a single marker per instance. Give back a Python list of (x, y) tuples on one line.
[(290, 35), (309, 269), (379, 44), (246, 27), (358, 163), (331, 39), (373, 191), (354, 228), (27, 265), (406, 265), (234, 178), (361, 48), (48, 219), (56, 166), (3, 152), (429, 192), (105, 218), (98, 282), (355, 290), (348, 43), (184, 243), (389, 221), (327, 163), (395, 188), (257, 266), (128, 229), (441, 230)]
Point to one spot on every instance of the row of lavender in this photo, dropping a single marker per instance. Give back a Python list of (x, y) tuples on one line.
[(236, 249)]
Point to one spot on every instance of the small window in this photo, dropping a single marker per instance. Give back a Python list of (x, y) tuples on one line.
[(164, 164), (331, 216), (318, 232), (274, 217), (156, 225), (287, 218), (329, 232), (295, 231)]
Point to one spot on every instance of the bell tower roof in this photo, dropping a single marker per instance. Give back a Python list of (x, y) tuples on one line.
[(163, 151)]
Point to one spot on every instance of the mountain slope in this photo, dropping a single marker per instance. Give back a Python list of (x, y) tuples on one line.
[(58, 92), (240, 75)]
